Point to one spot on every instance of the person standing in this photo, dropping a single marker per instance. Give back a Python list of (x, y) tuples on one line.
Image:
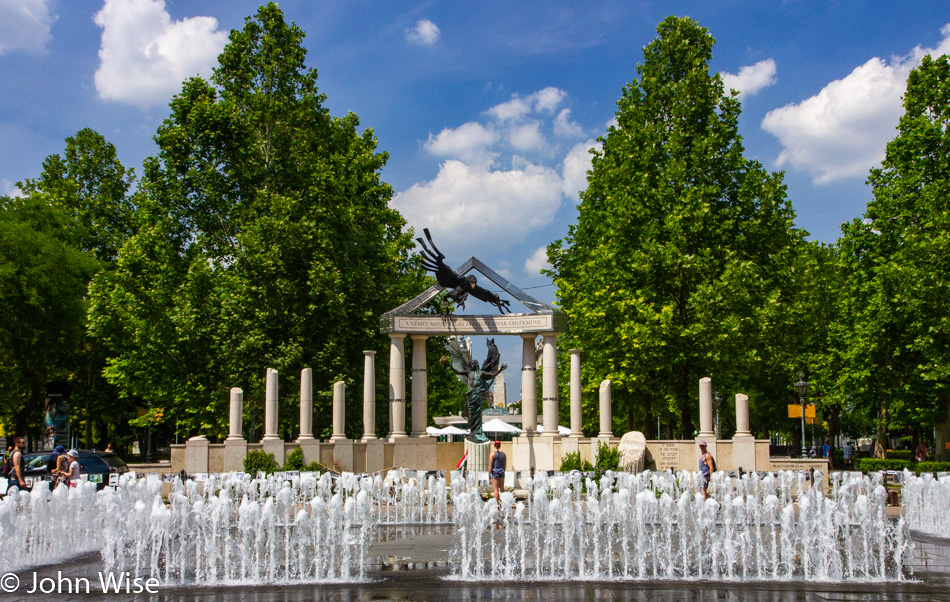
[(18, 463), (922, 454), (846, 450), (72, 476), (706, 467), (497, 465)]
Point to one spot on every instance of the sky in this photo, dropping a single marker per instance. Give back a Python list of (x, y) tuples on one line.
[(487, 109)]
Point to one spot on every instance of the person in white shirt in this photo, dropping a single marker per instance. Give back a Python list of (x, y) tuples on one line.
[(72, 475)]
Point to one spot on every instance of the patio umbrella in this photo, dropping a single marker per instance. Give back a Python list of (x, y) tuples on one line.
[(454, 430), (561, 430), (497, 425), (434, 431)]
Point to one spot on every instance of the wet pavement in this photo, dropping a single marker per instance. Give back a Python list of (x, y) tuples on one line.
[(416, 568)]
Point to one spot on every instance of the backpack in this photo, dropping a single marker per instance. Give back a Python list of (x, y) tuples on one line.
[(7, 469)]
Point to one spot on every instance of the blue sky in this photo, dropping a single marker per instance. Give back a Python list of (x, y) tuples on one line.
[(486, 108)]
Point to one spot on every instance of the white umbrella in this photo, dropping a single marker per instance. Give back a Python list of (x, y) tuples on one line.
[(561, 430), (454, 430), (433, 431), (497, 425)]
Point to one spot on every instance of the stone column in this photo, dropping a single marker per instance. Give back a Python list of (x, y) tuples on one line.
[(270, 406), (577, 416), (420, 405), (236, 417), (549, 385), (306, 405), (606, 411), (339, 410), (369, 395), (529, 385), (705, 409), (397, 385), (742, 414)]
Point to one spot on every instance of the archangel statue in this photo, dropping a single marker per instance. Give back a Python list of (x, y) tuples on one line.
[(460, 287), (478, 381)]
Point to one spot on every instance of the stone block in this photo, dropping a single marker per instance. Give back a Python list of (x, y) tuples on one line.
[(235, 450), (196, 454)]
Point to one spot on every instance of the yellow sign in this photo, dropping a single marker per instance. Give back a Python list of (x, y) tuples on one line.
[(795, 411)]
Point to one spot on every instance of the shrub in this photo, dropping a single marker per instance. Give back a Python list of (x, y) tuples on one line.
[(923, 467), (875, 464), (608, 458), (572, 461), (312, 467), (259, 460), (294, 460)]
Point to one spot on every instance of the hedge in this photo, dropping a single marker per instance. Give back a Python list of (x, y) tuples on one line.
[(875, 464), (923, 467), (900, 454)]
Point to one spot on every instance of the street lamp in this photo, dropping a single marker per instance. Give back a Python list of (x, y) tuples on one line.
[(717, 401), (801, 387)]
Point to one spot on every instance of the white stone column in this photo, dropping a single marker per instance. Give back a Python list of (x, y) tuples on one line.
[(339, 411), (705, 409), (236, 416), (369, 395), (606, 411), (549, 385), (397, 385), (529, 385), (420, 391), (501, 391), (742, 414), (577, 415), (306, 405), (270, 406)]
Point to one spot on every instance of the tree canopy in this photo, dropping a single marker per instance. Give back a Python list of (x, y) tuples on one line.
[(264, 239), (679, 260)]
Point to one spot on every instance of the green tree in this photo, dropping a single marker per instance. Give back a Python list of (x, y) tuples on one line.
[(898, 259), (678, 266), (43, 278), (265, 239)]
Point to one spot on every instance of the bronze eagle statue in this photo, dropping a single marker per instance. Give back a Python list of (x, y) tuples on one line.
[(460, 287)]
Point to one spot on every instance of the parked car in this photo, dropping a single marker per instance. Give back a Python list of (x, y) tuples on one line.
[(96, 465)]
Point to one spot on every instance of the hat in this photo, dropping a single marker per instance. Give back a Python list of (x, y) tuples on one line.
[(72, 453), (497, 443), (702, 443), (60, 449)]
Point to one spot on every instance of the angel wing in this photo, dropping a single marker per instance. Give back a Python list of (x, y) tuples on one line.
[(433, 260), (491, 362), (461, 355)]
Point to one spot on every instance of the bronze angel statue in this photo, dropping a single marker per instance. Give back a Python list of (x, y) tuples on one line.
[(460, 287), (479, 381)]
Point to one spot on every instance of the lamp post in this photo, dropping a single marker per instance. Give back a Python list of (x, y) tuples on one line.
[(801, 387), (717, 401)]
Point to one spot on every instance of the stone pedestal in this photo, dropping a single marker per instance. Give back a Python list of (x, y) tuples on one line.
[(196, 454), (343, 453), (276, 447), (577, 415), (310, 449), (538, 451), (235, 450), (375, 455), (478, 455), (417, 453), (570, 445)]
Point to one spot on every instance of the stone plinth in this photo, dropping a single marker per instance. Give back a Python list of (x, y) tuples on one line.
[(416, 453), (343, 454), (538, 451), (196, 454), (310, 449), (235, 450), (478, 455), (375, 455), (274, 446)]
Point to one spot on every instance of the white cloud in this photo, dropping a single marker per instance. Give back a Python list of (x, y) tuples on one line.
[(537, 262), (25, 25), (516, 109), (842, 131), (145, 56), (563, 126), (751, 78), (575, 167), (548, 99), (513, 110), (471, 206), (526, 137), (469, 142), (425, 33), (8, 188)]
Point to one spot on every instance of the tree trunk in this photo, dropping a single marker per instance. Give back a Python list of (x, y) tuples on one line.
[(880, 445)]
